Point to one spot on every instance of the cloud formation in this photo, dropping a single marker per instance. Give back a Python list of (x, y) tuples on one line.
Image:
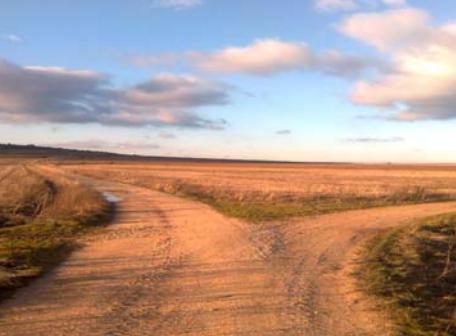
[(262, 57), (327, 5), (395, 2), (270, 56), (376, 140), (58, 95), (347, 5), (421, 84), (165, 135), (166, 99), (284, 132), (178, 4), (153, 60), (387, 30), (13, 38)]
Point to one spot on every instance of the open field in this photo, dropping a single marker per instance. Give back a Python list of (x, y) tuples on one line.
[(291, 261), (228, 168), (258, 192)]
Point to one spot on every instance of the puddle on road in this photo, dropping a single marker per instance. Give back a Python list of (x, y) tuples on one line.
[(110, 197)]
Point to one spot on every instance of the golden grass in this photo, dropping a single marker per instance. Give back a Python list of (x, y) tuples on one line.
[(40, 217), (272, 182), (258, 192), (23, 194)]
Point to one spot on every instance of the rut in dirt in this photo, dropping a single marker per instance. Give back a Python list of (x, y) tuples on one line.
[(169, 266)]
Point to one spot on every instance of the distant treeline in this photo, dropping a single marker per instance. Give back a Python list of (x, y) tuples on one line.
[(32, 151), (42, 152)]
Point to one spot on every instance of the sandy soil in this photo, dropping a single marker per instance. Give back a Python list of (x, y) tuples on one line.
[(169, 266)]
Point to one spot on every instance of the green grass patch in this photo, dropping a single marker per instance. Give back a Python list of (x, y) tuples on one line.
[(258, 207), (412, 270), (261, 211), (256, 212)]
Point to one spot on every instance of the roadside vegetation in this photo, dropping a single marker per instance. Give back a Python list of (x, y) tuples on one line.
[(257, 204), (266, 210), (412, 271), (39, 221)]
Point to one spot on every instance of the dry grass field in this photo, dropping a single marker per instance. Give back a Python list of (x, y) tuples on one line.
[(258, 192), (410, 269), (317, 249)]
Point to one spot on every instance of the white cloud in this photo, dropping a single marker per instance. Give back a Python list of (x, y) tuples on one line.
[(371, 140), (327, 5), (336, 63), (262, 57), (387, 30), (395, 2), (271, 56), (350, 5), (153, 60), (178, 4), (11, 38), (58, 95), (165, 135), (283, 132), (421, 84)]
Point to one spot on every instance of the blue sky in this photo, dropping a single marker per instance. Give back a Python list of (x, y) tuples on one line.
[(323, 80)]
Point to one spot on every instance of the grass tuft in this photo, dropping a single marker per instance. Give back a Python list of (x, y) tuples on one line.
[(412, 270), (40, 219)]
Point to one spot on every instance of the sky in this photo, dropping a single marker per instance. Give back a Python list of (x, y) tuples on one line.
[(298, 80)]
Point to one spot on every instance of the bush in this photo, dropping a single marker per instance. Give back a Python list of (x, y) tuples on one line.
[(40, 217)]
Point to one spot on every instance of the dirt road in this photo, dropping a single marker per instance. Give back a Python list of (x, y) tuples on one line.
[(169, 266)]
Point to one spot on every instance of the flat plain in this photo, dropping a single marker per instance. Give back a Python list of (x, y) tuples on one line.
[(233, 248), (264, 191)]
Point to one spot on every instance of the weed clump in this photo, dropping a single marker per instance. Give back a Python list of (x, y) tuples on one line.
[(412, 270), (40, 218)]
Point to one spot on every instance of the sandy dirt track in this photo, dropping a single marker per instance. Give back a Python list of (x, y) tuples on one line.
[(169, 266)]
